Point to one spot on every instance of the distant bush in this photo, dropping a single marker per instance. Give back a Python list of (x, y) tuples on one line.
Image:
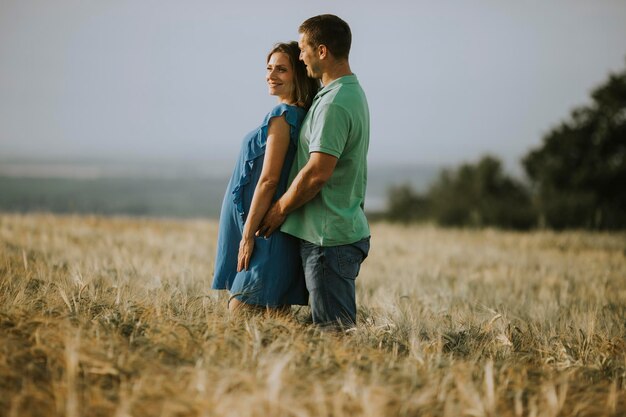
[(406, 205), (480, 195), (472, 195)]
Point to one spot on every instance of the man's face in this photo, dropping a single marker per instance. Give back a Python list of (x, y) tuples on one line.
[(310, 57)]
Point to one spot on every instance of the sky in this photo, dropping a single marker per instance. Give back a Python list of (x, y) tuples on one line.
[(446, 81)]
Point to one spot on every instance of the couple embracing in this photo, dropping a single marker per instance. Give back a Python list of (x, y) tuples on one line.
[(292, 226)]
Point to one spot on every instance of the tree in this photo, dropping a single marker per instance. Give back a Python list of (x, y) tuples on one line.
[(579, 173)]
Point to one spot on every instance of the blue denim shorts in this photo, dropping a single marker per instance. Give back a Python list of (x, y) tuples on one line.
[(330, 273)]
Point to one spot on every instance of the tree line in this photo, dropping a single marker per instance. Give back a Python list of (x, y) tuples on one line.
[(575, 179)]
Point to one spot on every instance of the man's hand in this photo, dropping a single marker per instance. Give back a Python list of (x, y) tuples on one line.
[(272, 221)]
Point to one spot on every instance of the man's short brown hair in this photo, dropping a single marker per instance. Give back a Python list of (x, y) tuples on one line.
[(328, 30)]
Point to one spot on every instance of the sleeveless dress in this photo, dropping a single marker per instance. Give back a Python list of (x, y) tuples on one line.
[(275, 276)]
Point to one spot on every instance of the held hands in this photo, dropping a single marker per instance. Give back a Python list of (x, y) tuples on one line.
[(246, 247), (272, 221)]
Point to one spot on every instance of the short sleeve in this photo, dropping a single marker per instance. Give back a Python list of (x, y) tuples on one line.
[(293, 116), (331, 127)]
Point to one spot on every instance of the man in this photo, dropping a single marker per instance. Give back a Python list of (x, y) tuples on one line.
[(325, 199)]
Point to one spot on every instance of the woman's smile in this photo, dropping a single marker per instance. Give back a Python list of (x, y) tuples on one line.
[(279, 77)]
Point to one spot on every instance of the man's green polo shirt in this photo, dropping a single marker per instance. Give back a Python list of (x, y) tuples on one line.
[(337, 124)]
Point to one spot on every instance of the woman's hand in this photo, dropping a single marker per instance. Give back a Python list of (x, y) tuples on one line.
[(246, 246)]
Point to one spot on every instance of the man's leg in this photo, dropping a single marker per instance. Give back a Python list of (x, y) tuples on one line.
[(330, 274)]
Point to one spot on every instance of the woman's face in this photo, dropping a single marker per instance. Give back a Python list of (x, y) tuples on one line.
[(280, 77)]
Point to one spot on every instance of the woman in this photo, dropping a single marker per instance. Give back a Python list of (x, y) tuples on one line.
[(258, 271)]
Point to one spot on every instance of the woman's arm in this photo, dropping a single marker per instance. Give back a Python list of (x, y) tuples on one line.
[(275, 151)]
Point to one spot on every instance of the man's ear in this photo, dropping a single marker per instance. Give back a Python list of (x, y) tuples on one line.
[(322, 51)]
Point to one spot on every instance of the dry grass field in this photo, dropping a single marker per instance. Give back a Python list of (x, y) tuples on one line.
[(115, 317)]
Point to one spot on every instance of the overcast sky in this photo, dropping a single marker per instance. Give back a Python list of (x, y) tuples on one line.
[(446, 81)]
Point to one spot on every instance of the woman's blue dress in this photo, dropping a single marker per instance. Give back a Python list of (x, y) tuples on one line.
[(274, 277)]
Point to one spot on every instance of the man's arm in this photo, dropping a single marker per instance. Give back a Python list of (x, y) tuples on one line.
[(304, 187)]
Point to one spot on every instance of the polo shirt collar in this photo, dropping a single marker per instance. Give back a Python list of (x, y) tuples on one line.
[(334, 84)]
